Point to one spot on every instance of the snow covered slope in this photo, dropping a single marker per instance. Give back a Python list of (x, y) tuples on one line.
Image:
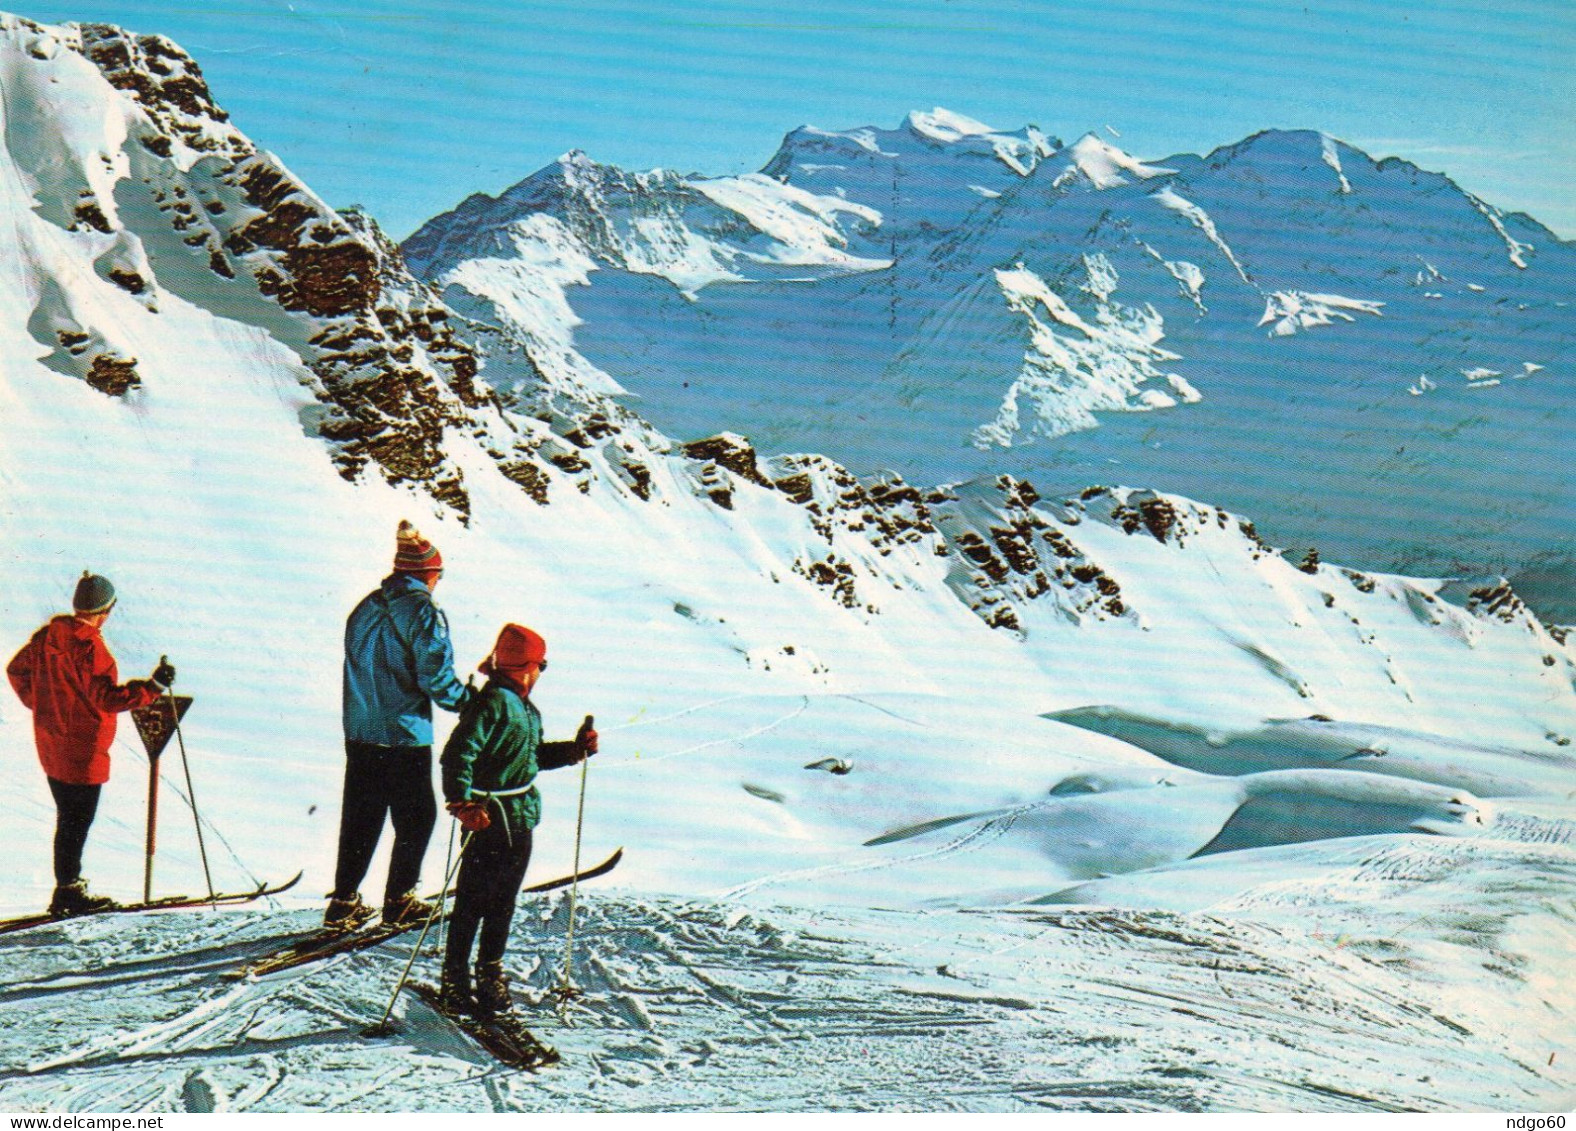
[(1358, 353), (815, 688)]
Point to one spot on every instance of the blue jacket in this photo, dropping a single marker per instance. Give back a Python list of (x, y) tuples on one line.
[(398, 663)]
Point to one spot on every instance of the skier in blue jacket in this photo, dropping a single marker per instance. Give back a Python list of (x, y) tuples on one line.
[(399, 661)]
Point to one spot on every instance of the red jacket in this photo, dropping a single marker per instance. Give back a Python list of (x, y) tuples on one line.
[(67, 678)]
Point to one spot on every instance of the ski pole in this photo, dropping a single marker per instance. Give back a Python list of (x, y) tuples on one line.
[(381, 1029), (448, 855), (567, 989), (191, 794)]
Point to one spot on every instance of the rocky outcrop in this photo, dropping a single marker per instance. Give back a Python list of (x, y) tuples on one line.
[(167, 84), (113, 375), (731, 451), (386, 361)]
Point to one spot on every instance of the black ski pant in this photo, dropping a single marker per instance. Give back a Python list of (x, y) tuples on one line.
[(492, 870), (384, 781), (75, 806)]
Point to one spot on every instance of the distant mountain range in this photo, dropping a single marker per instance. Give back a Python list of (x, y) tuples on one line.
[(1362, 355)]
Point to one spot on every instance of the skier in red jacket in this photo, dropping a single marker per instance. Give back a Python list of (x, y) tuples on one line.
[(67, 678)]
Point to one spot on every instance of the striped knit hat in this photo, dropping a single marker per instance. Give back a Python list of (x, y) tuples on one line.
[(413, 553), (94, 594)]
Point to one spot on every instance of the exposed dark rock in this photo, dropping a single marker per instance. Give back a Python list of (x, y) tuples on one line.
[(529, 476), (568, 461), (1004, 616), (168, 85), (127, 280), (834, 574), (979, 552), (1498, 601), (89, 213), (1159, 516), (1360, 581), (732, 452), (797, 487), (1016, 546), (113, 375)]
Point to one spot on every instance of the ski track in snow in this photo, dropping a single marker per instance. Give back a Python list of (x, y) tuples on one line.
[(697, 1004)]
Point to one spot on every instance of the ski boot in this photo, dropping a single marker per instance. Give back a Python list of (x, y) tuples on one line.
[(75, 899), (492, 992), (454, 991), (494, 1009), (346, 913), (406, 910)]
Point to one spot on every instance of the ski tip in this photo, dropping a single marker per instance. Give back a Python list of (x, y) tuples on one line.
[(286, 886)]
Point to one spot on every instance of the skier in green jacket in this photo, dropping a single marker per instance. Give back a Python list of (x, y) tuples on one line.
[(489, 766)]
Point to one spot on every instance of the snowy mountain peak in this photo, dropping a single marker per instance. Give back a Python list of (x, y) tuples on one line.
[(1293, 156), (150, 205), (944, 125), (1097, 162), (1020, 151), (927, 144)]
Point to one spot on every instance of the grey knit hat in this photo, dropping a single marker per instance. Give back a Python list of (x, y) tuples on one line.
[(94, 594)]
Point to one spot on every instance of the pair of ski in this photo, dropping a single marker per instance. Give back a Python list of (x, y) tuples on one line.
[(166, 903), (330, 942), (504, 1036)]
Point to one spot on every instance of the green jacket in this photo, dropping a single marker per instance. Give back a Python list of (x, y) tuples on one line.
[(497, 748)]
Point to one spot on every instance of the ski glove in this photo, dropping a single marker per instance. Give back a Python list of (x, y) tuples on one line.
[(585, 739), (472, 815), (164, 674)]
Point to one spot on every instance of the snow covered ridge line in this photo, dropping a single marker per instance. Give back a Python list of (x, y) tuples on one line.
[(692, 231), (151, 192), (166, 196), (1027, 565)]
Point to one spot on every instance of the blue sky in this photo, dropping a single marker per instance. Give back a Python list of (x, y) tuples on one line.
[(407, 108)]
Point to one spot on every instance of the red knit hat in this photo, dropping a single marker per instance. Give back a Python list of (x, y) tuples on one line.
[(413, 553), (517, 648)]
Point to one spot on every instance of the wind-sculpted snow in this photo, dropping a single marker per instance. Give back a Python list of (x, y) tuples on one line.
[(1277, 744)]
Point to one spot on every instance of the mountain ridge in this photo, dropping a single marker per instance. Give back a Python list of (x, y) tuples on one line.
[(1377, 268)]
